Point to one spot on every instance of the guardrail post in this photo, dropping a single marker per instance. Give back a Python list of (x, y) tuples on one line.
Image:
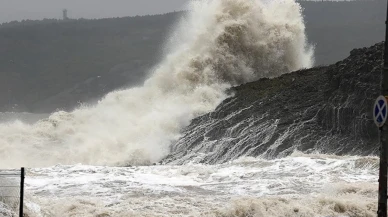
[(21, 192)]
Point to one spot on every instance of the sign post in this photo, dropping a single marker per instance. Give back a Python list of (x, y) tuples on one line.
[(382, 206), (380, 113)]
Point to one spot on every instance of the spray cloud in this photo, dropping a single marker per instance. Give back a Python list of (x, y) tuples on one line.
[(220, 44)]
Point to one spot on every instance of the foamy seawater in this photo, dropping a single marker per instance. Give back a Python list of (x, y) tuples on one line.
[(221, 43), (299, 185)]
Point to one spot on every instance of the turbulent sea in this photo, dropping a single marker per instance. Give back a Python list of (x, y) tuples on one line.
[(104, 159), (298, 185)]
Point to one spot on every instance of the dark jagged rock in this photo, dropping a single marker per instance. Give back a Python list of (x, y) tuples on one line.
[(324, 109)]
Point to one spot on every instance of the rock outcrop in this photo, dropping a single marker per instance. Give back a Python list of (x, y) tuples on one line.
[(323, 109)]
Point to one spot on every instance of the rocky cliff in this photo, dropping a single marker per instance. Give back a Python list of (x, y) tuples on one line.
[(323, 109)]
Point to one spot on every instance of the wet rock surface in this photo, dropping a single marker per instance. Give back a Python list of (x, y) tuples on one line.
[(323, 109)]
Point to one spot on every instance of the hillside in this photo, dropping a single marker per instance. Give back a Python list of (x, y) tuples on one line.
[(50, 64)]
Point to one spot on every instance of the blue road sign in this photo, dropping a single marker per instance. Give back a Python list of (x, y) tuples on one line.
[(380, 111)]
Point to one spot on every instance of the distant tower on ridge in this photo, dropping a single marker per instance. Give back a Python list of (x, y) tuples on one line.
[(65, 14)]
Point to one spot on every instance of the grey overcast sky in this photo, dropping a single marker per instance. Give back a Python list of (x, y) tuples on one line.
[(38, 9)]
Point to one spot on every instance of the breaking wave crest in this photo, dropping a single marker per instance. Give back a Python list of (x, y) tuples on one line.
[(221, 43)]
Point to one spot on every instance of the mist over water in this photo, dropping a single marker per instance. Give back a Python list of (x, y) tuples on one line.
[(220, 44), (25, 117)]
